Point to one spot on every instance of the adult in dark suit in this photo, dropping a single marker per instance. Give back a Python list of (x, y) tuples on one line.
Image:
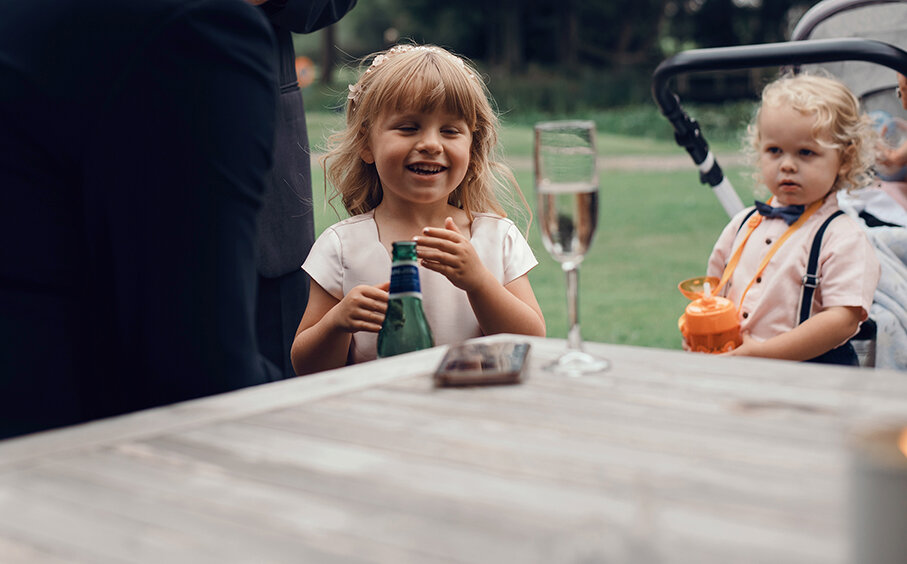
[(135, 139), (286, 224)]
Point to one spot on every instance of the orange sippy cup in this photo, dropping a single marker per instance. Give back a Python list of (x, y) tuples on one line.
[(709, 323)]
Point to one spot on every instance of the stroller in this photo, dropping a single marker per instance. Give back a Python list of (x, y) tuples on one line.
[(861, 42)]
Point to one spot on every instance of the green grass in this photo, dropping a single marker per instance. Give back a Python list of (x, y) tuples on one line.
[(655, 229)]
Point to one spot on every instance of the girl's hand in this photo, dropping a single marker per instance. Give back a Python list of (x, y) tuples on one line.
[(362, 309), (449, 252)]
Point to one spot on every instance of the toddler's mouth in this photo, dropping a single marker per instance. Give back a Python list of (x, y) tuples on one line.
[(426, 169)]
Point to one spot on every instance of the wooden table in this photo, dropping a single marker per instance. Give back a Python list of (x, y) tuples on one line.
[(668, 457)]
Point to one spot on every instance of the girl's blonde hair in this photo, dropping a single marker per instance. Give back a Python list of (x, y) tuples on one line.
[(838, 118), (421, 78)]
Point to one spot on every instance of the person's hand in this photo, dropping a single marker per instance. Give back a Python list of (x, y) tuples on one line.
[(362, 309), (449, 252), (747, 348), (892, 158), (885, 156)]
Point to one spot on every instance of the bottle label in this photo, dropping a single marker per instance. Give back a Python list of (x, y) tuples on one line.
[(405, 280)]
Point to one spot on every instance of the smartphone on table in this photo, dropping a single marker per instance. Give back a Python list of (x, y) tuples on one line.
[(482, 364)]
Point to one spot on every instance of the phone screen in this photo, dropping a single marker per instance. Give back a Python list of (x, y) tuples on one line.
[(478, 364)]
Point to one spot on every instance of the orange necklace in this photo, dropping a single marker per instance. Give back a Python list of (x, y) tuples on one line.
[(752, 224)]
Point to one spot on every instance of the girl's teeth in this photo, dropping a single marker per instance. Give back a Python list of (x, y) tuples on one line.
[(425, 170)]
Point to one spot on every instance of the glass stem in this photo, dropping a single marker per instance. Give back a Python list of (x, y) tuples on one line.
[(574, 339)]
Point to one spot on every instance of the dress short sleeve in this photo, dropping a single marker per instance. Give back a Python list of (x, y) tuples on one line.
[(518, 256), (501, 247), (324, 263)]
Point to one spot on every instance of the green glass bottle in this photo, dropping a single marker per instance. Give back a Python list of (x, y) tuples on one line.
[(405, 328)]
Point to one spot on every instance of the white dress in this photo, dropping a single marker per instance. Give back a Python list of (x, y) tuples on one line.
[(349, 253)]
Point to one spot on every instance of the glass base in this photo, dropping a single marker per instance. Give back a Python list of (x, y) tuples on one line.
[(578, 363)]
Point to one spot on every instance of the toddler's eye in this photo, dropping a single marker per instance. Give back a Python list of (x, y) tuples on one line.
[(806, 152), (772, 150)]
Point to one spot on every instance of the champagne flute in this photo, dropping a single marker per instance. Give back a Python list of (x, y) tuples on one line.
[(566, 183)]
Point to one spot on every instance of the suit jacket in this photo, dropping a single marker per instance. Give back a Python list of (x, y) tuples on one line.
[(135, 137), (286, 223)]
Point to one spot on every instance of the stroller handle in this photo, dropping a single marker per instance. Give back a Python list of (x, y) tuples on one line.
[(772, 54), (792, 53)]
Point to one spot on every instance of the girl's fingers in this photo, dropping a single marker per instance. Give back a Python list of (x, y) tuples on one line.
[(448, 233), (370, 327), (432, 253), (372, 322), (449, 243), (437, 266)]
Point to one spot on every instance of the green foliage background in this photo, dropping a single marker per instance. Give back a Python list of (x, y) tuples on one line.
[(656, 227)]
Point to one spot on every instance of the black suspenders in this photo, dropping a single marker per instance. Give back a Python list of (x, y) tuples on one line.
[(811, 278)]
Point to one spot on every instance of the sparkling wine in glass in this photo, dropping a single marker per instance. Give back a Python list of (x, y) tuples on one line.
[(566, 184)]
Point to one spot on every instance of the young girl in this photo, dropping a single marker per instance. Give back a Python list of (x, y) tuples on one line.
[(810, 140), (416, 162)]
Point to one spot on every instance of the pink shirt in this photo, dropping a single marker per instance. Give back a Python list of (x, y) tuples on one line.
[(848, 269)]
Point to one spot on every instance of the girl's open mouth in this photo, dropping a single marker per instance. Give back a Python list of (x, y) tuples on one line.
[(425, 169)]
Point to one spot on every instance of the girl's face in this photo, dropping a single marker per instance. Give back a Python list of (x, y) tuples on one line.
[(420, 157), (795, 167)]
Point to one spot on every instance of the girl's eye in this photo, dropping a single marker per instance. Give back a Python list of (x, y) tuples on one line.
[(406, 128), (806, 152), (450, 131), (773, 150)]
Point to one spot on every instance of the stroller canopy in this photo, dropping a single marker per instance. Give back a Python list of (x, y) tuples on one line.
[(882, 20)]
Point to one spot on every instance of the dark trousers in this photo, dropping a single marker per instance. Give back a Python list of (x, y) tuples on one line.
[(845, 354), (281, 303)]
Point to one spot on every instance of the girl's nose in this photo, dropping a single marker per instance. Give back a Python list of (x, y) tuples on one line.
[(430, 142)]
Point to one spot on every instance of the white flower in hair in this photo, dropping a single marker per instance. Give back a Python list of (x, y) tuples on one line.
[(377, 62), (355, 92)]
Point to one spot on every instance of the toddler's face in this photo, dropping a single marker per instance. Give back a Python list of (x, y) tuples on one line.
[(795, 166)]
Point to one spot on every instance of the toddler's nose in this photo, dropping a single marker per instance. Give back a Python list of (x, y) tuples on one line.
[(787, 163)]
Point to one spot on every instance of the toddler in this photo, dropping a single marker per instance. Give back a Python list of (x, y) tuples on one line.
[(810, 140)]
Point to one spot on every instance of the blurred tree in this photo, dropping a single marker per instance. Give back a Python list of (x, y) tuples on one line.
[(621, 33), (720, 23), (603, 49), (510, 34), (328, 40)]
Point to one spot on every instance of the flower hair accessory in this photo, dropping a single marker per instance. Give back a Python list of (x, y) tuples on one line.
[(354, 93), (355, 90)]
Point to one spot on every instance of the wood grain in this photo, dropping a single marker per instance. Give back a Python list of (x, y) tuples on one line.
[(668, 457)]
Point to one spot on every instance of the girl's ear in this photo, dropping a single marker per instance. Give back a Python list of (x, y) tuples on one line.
[(366, 152)]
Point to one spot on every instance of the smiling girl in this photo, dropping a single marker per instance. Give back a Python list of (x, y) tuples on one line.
[(416, 162), (810, 140)]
